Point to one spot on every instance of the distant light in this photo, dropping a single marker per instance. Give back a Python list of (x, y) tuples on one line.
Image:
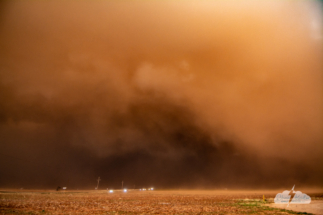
[(140, 189), (125, 190), (152, 188), (144, 189), (110, 191)]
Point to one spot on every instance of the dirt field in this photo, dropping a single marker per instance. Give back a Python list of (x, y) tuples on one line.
[(141, 202)]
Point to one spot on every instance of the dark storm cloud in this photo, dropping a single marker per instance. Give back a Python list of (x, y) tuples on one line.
[(169, 94)]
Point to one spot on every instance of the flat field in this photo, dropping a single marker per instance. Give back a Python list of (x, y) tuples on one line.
[(142, 202)]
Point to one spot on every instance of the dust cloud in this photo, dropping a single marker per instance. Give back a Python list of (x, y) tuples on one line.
[(186, 94)]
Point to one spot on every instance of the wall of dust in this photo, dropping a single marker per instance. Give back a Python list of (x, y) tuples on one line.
[(170, 94)]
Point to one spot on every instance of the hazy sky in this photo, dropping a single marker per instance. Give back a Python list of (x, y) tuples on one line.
[(170, 94)]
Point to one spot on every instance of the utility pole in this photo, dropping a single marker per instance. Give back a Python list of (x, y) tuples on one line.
[(122, 185), (99, 179)]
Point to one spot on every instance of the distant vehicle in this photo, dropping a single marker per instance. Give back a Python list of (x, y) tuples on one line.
[(60, 188)]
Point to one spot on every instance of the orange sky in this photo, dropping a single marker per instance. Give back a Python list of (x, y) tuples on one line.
[(225, 92)]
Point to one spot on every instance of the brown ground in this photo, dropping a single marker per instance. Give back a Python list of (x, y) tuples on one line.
[(141, 202)]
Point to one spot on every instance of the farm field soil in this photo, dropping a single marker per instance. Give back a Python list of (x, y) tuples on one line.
[(142, 202)]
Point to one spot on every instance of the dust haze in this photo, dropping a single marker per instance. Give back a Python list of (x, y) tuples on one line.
[(186, 94)]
